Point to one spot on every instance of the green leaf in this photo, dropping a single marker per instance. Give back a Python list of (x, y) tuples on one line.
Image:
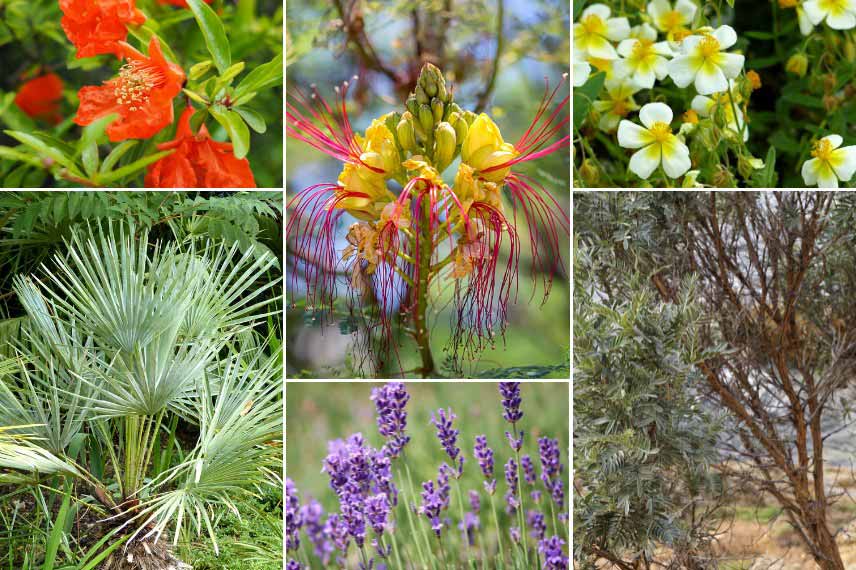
[(116, 154), (88, 145), (583, 97), (768, 173), (253, 118), (46, 149), (235, 126), (804, 100), (133, 168), (214, 34), (18, 156), (56, 535), (266, 75)]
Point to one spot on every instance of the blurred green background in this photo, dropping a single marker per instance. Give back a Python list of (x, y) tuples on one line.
[(460, 36), (317, 413)]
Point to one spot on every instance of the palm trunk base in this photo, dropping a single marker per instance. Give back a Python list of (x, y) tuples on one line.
[(144, 555)]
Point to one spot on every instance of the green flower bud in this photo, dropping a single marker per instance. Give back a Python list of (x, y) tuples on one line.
[(444, 147), (426, 118), (442, 94), (406, 132), (421, 97), (430, 79), (412, 105), (461, 129), (392, 121), (797, 64), (437, 108), (457, 109), (469, 116)]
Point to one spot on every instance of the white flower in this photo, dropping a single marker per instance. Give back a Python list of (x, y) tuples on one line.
[(691, 180), (619, 102), (581, 70), (595, 31), (806, 26), (839, 14), (644, 60), (830, 163), (672, 20), (656, 142), (704, 62), (708, 106)]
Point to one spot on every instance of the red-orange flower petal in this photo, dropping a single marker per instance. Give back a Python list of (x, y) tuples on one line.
[(142, 95), (198, 162), (97, 26), (40, 98), (182, 3)]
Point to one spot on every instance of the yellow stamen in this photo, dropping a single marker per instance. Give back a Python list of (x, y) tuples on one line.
[(660, 131), (135, 82), (620, 108), (671, 21), (592, 24), (822, 150), (709, 46), (642, 49), (691, 117)]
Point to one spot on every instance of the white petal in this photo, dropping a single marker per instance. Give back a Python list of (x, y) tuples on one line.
[(806, 26), (826, 177), (661, 68), (710, 79), (596, 46), (657, 8), (631, 135), (645, 79), (676, 158), (686, 8), (834, 140), (731, 64), (621, 69), (608, 122), (602, 11), (683, 69), (662, 48), (581, 73), (843, 21), (702, 105), (809, 171), (647, 32), (847, 167), (625, 48), (617, 29), (726, 36), (813, 11), (690, 44), (655, 113), (645, 161)]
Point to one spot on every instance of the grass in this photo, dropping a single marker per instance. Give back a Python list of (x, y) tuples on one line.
[(317, 413)]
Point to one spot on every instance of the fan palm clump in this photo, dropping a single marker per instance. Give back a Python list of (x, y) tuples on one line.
[(141, 378)]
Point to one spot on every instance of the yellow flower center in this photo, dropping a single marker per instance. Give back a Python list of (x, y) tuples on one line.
[(592, 24), (135, 82), (660, 131), (681, 33), (691, 117), (642, 49), (708, 47), (834, 7), (822, 150), (671, 21), (620, 108)]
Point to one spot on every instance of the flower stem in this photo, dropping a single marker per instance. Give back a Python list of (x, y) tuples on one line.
[(422, 335), (498, 531), (520, 516), (410, 491)]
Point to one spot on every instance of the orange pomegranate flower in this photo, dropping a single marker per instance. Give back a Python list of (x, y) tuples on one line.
[(198, 162), (40, 97), (98, 26), (142, 95)]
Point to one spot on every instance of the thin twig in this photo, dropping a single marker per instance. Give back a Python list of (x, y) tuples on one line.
[(488, 89)]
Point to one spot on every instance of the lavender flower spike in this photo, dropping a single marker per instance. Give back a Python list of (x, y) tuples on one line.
[(554, 556), (536, 523), (449, 437), (293, 520), (510, 392), (377, 511), (511, 479), (484, 455), (528, 469), (551, 469), (390, 401)]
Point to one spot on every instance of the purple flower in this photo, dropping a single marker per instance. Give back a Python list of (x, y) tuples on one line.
[(475, 501), (293, 565), (510, 392), (528, 469), (484, 455), (536, 496), (337, 530), (352, 507), (515, 443), (514, 532), (511, 499), (536, 523), (551, 469), (448, 437), (293, 521), (432, 504), (553, 553), (390, 401), (311, 514), (469, 525), (377, 511)]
